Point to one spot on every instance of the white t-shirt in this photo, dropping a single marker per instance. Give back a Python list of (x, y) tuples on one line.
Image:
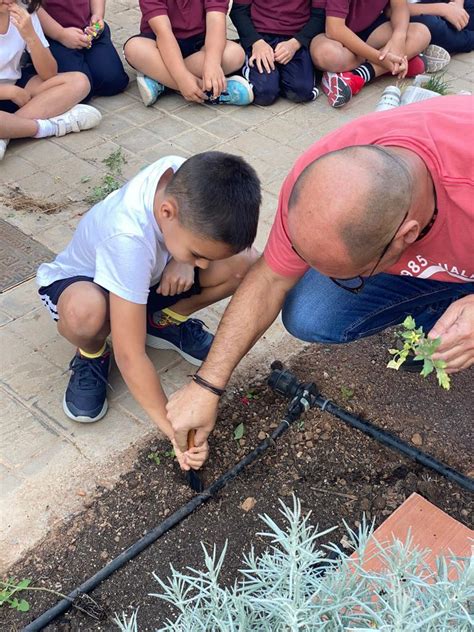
[(12, 47), (118, 243)]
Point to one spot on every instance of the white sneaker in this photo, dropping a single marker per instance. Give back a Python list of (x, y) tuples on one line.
[(77, 119), (435, 58), (3, 146)]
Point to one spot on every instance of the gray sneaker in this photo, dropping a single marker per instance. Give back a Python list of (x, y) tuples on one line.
[(435, 58)]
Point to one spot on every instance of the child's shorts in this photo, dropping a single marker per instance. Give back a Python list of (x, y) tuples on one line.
[(50, 294), (188, 45), (367, 32), (27, 72)]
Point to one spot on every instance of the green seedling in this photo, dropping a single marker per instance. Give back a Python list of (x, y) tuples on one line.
[(415, 342), (111, 181), (8, 591), (157, 456), (239, 431), (347, 393), (438, 83)]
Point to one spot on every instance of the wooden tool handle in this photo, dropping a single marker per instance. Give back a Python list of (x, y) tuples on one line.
[(191, 435)]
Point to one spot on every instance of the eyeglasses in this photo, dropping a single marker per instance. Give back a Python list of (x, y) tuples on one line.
[(356, 284)]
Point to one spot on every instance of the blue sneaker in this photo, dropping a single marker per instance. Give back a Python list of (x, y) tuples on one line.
[(189, 339), (85, 399), (238, 92), (149, 89)]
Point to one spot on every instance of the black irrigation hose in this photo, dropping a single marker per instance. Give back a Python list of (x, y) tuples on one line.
[(140, 545)]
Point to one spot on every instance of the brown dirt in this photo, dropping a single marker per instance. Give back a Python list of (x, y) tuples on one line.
[(19, 201), (336, 472)]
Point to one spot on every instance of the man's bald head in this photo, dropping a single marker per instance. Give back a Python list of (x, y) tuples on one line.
[(346, 205)]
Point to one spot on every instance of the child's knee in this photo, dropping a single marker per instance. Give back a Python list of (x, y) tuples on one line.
[(77, 83), (328, 55), (233, 57), (84, 317), (420, 33)]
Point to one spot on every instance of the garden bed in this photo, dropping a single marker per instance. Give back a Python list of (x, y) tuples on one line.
[(337, 472)]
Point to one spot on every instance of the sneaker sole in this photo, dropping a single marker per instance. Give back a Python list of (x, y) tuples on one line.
[(436, 58), (246, 84), (159, 343), (82, 419), (344, 89), (147, 97)]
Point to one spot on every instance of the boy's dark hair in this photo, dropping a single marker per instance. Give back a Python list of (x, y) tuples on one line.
[(32, 5), (218, 197)]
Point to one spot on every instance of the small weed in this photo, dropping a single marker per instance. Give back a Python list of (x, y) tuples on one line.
[(347, 393), (9, 589), (300, 424), (157, 456), (239, 431), (415, 341), (110, 182), (438, 83)]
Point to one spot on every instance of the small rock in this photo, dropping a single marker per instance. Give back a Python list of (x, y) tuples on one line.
[(104, 555), (309, 444), (308, 435), (417, 439), (81, 492), (365, 504), (262, 435), (117, 538), (325, 436), (248, 504), (379, 503), (464, 513), (274, 425)]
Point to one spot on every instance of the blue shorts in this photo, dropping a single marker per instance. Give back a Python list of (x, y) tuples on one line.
[(188, 45), (367, 32), (50, 294), (27, 72)]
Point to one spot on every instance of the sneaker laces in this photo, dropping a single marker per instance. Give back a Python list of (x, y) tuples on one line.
[(194, 328), (87, 373)]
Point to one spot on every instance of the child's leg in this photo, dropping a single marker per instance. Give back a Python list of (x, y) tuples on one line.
[(13, 126), (332, 56), (71, 60), (297, 78), (54, 96), (418, 38), (447, 36), (105, 67)]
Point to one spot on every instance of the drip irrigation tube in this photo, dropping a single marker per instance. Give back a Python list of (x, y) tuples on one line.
[(303, 397)]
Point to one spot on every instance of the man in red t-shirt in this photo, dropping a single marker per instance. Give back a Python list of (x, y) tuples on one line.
[(374, 222)]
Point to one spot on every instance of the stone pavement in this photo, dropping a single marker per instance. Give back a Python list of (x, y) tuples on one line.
[(49, 465)]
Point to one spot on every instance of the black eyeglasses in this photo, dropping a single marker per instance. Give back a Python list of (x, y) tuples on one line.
[(356, 284)]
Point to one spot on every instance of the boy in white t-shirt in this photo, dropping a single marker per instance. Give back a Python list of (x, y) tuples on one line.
[(36, 101), (174, 240)]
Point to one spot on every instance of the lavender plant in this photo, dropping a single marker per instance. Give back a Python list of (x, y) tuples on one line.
[(296, 585)]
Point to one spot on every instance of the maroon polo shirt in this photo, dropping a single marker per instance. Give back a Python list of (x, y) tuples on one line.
[(187, 17), (358, 14), (281, 17), (69, 12)]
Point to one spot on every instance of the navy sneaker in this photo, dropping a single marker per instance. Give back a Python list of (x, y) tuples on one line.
[(189, 339), (85, 399)]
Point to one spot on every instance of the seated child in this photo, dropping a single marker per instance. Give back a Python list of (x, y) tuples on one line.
[(182, 45), (276, 35), (173, 240), (80, 40), (362, 43), (451, 24), (36, 101)]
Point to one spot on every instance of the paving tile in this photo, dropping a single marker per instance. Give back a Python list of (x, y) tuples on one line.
[(225, 127), (138, 139), (19, 301), (196, 114), (15, 168), (164, 149), (196, 140), (168, 126), (137, 115)]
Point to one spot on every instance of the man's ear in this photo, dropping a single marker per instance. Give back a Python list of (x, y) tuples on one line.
[(409, 232)]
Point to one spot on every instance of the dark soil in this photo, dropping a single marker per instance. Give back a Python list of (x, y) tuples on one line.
[(337, 472)]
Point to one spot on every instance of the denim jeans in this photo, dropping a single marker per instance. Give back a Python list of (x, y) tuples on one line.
[(317, 310), (446, 35)]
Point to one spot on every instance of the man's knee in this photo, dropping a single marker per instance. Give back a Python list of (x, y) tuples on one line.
[(316, 326)]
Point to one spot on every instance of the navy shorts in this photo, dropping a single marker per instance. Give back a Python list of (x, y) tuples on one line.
[(27, 72), (50, 294), (367, 32), (188, 45)]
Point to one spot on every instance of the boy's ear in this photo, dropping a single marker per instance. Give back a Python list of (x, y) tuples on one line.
[(168, 208)]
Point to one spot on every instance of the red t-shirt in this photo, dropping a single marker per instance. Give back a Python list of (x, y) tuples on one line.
[(441, 132), (281, 17), (187, 17), (358, 14), (69, 13)]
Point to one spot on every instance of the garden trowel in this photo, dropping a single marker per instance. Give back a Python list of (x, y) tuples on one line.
[(191, 475)]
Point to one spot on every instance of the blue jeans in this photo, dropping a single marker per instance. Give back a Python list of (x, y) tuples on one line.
[(317, 310), (445, 35)]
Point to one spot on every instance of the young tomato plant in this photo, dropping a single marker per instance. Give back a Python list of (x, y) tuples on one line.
[(8, 590), (415, 342)]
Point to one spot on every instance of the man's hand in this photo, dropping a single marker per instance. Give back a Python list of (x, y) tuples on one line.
[(262, 55), (176, 278), (285, 51), (191, 88), (18, 95), (192, 408), (213, 78), (455, 14), (22, 20), (73, 37), (456, 330)]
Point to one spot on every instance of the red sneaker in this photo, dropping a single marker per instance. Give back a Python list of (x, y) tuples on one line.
[(416, 66), (341, 87)]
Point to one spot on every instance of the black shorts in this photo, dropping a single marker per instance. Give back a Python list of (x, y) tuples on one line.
[(27, 72), (188, 45), (367, 32), (50, 294)]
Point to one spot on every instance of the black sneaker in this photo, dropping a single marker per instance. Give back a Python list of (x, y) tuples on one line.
[(85, 399), (189, 339)]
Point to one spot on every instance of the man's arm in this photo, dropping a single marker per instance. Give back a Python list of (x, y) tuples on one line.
[(250, 313)]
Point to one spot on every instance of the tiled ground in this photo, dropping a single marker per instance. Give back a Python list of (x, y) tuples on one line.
[(49, 466)]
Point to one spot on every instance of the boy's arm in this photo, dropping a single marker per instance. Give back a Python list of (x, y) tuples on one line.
[(285, 51), (337, 30), (97, 16), (452, 12), (213, 77), (166, 43), (43, 61), (70, 37), (262, 53), (11, 92)]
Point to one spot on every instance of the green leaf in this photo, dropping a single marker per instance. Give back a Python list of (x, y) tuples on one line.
[(14, 603), (409, 322), (23, 606), (346, 392), (428, 368), (443, 379), (23, 584), (239, 431), (394, 364)]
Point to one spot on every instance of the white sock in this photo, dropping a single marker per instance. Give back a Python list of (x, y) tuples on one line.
[(45, 128)]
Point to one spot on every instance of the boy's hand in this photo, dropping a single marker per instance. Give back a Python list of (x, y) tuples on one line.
[(191, 88), (176, 278), (22, 20), (73, 37), (394, 52), (213, 78), (455, 14), (18, 95), (194, 458), (90, 30), (285, 51), (262, 55)]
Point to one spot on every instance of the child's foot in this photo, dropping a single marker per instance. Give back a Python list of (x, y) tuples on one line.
[(416, 66), (436, 58), (77, 119), (189, 338), (341, 87), (149, 89), (85, 399), (238, 92), (3, 146)]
